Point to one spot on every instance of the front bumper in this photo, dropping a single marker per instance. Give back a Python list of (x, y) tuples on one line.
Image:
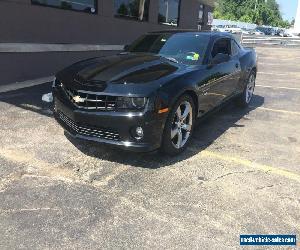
[(114, 128)]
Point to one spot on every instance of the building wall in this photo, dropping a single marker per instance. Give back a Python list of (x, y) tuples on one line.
[(22, 22)]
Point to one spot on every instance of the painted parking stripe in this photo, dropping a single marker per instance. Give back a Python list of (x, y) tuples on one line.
[(273, 87), (277, 74), (276, 110), (265, 168)]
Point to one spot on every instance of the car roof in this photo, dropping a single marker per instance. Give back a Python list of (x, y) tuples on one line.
[(213, 34)]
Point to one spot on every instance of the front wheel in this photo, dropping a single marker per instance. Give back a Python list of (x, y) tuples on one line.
[(179, 126), (245, 98)]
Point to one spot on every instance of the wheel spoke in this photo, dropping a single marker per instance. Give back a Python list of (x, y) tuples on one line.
[(250, 89), (248, 96), (174, 132), (187, 127), (179, 139), (178, 113), (185, 112)]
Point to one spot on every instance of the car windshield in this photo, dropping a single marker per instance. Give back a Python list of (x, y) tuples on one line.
[(187, 48)]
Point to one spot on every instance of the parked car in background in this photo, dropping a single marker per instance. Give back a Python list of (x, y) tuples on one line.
[(234, 29), (246, 32), (149, 96), (214, 28), (283, 33), (269, 31), (258, 32), (220, 28)]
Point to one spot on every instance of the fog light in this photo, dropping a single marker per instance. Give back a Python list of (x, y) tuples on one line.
[(139, 133)]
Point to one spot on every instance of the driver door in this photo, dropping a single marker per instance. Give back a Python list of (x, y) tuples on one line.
[(221, 79)]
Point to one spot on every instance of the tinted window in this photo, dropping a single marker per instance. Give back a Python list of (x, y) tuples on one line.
[(136, 9), (88, 6), (222, 46), (169, 12), (187, 48)]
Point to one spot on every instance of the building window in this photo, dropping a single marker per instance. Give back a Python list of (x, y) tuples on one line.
[(201, 17), (132, 9), (210, 18), (201, 14), (89, 6), (169, 12)]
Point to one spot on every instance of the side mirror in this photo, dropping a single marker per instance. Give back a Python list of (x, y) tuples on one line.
[(126, 47), (220, 58)]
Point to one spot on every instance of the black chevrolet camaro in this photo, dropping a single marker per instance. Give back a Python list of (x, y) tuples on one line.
[(149, 96)]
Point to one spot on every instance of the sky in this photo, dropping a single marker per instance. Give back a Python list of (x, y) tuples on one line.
[(288, 8)]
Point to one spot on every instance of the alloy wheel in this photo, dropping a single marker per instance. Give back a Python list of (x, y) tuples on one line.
[(182, 125), (250, 88)]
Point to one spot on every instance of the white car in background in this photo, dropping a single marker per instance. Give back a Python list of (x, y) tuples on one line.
[(246, 32), (228, 28), (234, 29), (292, 33), (284, 33)]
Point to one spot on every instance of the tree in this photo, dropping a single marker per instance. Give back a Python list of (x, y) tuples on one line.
[(260, 12), (293, 22), (123, 10)]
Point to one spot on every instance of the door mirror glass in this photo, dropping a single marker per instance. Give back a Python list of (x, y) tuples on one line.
[(220, 58), (126, 47)]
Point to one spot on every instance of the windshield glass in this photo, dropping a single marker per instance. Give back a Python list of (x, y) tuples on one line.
[(187, 48)]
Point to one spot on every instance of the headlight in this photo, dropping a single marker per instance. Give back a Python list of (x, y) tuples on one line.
[(138, 103), (131, 103)]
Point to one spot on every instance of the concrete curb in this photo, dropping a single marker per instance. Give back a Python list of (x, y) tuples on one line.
[(32, 47), (25, 84)]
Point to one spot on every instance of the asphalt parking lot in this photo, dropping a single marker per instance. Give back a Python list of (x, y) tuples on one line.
[(240, 175)]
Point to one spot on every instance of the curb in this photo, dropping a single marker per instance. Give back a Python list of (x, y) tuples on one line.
[(25, 84)]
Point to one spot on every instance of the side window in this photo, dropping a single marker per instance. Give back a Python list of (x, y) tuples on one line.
[(168, 12), (222, 46), (89, 6), (235, 48), (132, 9)]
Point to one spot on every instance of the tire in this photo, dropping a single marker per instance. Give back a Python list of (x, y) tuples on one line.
[(245, 98), (179, 126)]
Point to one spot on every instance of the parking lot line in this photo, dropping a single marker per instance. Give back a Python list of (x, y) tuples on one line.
[(276, 74), (273, 87), (277, 110), (265, 168)]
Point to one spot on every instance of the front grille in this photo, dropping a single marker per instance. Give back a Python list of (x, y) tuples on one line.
[(84, 130), (89, 100)]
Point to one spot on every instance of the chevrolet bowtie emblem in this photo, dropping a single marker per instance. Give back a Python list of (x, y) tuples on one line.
[(78, 99)]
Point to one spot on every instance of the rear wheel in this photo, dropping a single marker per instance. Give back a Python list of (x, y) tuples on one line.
[(245, 98), (179, 126)]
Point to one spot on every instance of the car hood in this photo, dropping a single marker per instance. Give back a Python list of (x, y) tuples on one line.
[(124, 68)]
